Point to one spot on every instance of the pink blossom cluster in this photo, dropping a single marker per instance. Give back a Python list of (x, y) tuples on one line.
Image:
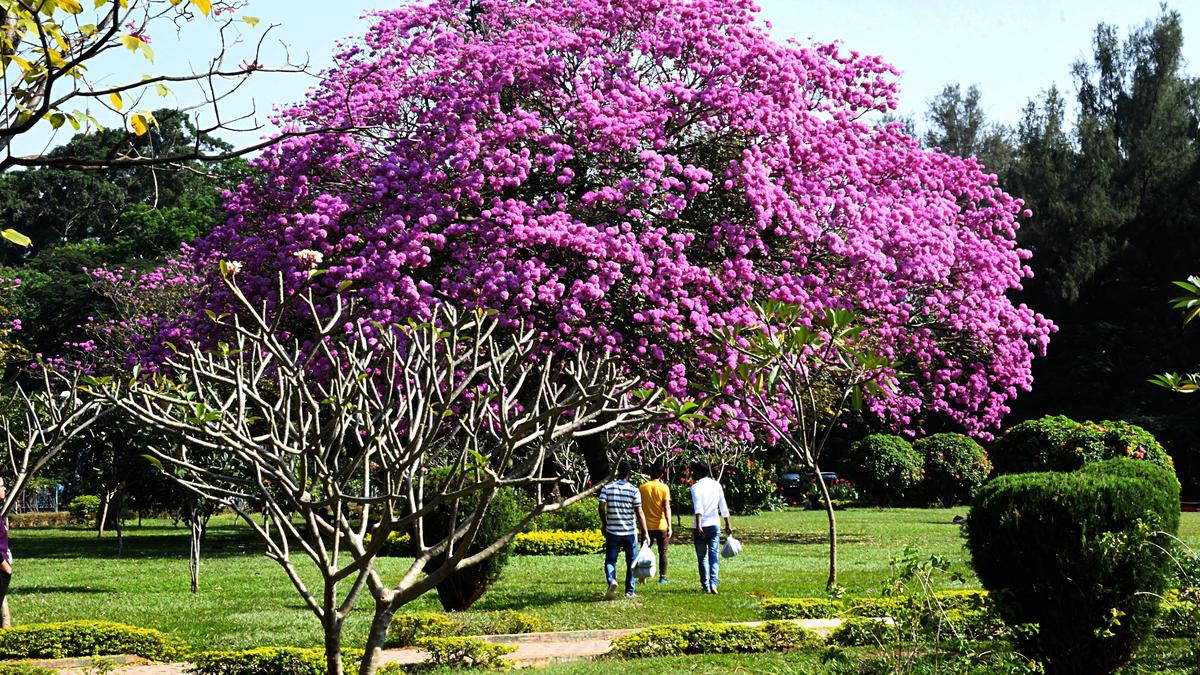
[(631, 173)]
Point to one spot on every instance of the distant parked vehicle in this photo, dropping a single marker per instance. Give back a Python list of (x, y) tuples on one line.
[(793, 487)]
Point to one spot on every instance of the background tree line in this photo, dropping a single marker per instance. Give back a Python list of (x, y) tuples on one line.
[(1114, 185)]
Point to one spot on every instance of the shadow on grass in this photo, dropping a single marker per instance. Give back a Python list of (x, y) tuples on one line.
[(795, 538), (83, 590)]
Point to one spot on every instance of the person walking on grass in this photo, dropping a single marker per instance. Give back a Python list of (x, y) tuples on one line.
[(621, 519), (656, 503), (5, 562), (708, 503)]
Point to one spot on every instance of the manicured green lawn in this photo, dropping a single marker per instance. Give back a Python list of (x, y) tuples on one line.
[(247, 601)]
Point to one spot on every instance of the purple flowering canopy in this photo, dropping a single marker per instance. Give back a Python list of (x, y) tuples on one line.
[(632, 174)]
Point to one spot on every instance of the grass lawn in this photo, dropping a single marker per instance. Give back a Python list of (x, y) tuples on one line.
[(247, 601)]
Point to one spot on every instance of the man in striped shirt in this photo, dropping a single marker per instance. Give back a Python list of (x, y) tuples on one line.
[(620, 518)]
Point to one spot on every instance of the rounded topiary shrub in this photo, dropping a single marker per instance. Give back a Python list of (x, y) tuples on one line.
[(955, 467), (886, 467), (1036, 445), (1110, 439), (460, 590), (1079, 556)]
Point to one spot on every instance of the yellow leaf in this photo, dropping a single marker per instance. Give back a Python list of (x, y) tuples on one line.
[(131, 43), (139, 125), (88, 29), (16, 237), (117, 101), (71, 6), (252, 20), (205, 6), (162, 89), (20, 62), (101, 3)]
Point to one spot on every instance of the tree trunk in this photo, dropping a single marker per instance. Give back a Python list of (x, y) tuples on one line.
[(376, 639), (102, 519), (331, 622), (119, 524), (197, 528), (832, 581), (595, 453)]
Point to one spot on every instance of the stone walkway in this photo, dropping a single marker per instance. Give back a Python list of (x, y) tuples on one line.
[(534, 650)]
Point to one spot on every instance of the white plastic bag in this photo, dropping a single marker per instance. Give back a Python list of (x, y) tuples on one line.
[(643, 564), (732, 548)]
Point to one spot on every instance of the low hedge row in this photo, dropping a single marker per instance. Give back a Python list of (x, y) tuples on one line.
[(23, 669), (88, 638), (714, 638), (42, 519), (407, 629), (559, 542), (970, 612), (465, 652), (267, 661)]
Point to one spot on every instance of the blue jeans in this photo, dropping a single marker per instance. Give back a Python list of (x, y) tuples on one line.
[(613, 545), (707, 540)]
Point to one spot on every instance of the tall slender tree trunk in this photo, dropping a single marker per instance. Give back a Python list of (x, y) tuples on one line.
[(832, 581), (331, 622), (197, 527), (102, 520)]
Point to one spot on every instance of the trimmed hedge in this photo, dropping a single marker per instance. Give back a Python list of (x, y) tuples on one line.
[(714, 638), (1079, 555), (886, 467), (465, 652), (955, 467), (406, 629), (87, 638), (800, 608), (558, 542), (42, 519), (266, 661)]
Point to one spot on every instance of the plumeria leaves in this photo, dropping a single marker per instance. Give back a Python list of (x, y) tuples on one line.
[(16, 237)]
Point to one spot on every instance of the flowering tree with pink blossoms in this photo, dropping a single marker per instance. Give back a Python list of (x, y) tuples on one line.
[(634, 173)]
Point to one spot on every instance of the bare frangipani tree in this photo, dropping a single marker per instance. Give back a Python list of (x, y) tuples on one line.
[(799, 375), (334, 442), (34, 427)]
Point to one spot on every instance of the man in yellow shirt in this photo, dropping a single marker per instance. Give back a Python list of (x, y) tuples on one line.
[(656, 504)]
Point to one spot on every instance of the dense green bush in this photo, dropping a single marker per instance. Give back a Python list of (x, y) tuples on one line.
[(1035, 445), (886, 467), (465, 652), (800, 608), (559, 543), (748, 487), (582, 516), (1080, 555), (460, 590), (1057, 443), (87, 638), (84, 509), (399, 544), (1111, 439), (955, 467), (713, 638), (266, 661)]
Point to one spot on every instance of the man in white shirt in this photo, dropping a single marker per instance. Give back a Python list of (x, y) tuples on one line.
[(708, 503)]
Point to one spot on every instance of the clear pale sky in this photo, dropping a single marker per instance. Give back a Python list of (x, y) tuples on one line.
[(1011, 49)]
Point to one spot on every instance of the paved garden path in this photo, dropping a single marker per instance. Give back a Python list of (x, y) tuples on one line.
[(533, 649)]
